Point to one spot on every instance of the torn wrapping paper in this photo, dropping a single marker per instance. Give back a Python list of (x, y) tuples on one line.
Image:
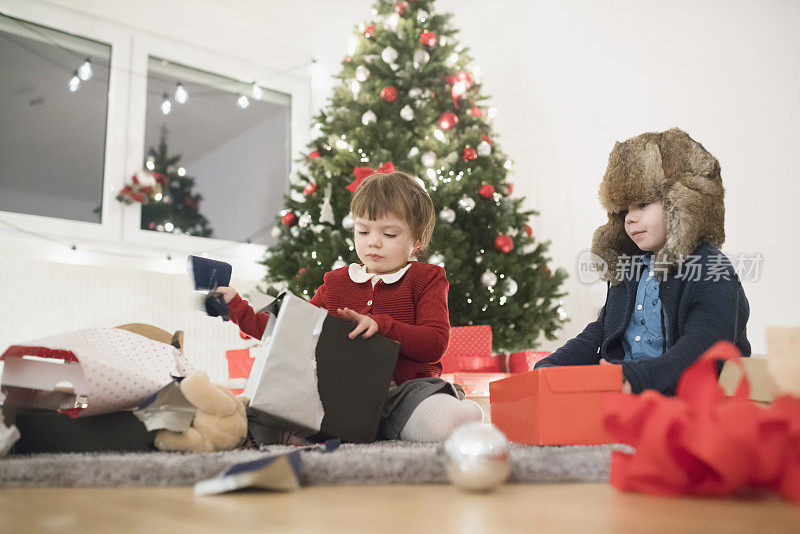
[(168, 409), (88, 372), (283, 382), (281, 472), (702, 442)]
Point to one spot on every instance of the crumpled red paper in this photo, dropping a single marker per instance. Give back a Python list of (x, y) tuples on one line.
[(702, 442)]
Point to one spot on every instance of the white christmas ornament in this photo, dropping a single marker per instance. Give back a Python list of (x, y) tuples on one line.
[(488, 278), (348, 221), (511, 287), (413, 152), (466, 203), (275, 232), (428, 158), (421, 57), (389, 55), (484, 148), (304, 220), (447, 215), (338, 264), (414, 92), (406, 113), (368, 117), (477, 457), (362, 73), (326, 211), (436, 259), (422, 15)]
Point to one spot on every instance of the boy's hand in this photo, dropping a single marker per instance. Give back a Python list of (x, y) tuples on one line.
[(226, 292), (366, 324), (626, 386)]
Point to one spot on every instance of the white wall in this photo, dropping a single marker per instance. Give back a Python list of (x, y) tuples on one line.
[(568, 79)]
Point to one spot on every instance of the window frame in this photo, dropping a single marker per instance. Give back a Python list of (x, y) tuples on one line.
[(125, 131)]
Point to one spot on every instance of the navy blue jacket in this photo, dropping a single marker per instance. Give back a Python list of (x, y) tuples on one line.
[(700, 308)]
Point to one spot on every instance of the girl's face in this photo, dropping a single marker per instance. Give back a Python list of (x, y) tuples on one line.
[(385, 245), (645, 225)]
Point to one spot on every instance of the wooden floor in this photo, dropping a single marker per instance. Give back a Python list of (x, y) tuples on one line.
[(542, 508)]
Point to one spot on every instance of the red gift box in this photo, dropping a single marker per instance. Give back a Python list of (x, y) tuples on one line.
[(470, 349), (239, 365), (523, 361), (555, 405)]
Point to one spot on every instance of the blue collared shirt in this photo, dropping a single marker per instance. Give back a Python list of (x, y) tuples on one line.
[(643, 338)]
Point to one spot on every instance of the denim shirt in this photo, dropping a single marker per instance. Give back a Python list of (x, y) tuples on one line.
[(643, 338)]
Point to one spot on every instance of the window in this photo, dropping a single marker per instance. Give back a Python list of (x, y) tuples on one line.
[(221, 148), (53, 112)]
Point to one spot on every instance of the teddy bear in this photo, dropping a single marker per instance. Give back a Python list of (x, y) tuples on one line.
[(219, 424)]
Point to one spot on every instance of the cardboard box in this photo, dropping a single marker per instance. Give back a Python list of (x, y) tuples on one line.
[(555, 405), (761, 387)]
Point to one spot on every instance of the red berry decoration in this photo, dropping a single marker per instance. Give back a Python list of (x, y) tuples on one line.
[(389, 93), (476, 112), (428, 38), (469, 153), (290, 219), (528, 230), (370, 31), (504, 244), (310, 188), (314, 154), (486, 191), (448, 120), (401, 7)]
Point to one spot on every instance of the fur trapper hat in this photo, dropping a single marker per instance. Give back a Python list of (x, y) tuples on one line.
[(672, 167)]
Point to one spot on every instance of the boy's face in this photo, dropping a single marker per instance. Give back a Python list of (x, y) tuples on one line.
[(646, 226), (385, 245)]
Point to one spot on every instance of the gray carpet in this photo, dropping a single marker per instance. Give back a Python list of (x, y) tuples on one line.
[(378, 463)]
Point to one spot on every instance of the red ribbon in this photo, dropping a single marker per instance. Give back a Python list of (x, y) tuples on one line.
[(363, 172), (702, 442)]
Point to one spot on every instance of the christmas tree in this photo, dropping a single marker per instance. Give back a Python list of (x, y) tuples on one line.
[(170, 205), (406, 99)]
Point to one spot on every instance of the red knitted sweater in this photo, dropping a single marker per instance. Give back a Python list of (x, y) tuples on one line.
[(412, 311)]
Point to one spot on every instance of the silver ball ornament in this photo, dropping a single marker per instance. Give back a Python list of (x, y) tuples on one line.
[(413, 152), (414, 92), (368, 117), (389, 55), (488, 278), (407, 113), (447, 215), (348, 222), (466, 203), (362, 73), (338, 264), (511, 287), (304, 220), (436, 259), (421, 57), (484, 148), (477, 457), (428, 158), (275, 232)]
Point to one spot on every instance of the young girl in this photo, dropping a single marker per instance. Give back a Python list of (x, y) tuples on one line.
[(672, 293), (390, 294)]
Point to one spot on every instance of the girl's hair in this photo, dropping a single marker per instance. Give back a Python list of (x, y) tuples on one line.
[(397, 193)]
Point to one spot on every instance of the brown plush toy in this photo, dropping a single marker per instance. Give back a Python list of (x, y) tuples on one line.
[(220, 422)]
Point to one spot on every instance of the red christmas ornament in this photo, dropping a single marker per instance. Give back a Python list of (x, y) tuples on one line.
[(370, 31), (476, 112), (152, 226), (301, 272), (310, 188), (314, 154), (243, 335), (134, 180), (504, 244), (428, 38), (401, 7), (290, 219), (389, 93), (448, 120), (528, 230), (509, 188), (486, 191), (486, 138), (469, 153)]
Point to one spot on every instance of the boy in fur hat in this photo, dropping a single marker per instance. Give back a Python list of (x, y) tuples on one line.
[(671, 292)]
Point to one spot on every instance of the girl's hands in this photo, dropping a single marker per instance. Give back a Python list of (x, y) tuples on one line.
[(626, 386), (366, 324), (227, 293)]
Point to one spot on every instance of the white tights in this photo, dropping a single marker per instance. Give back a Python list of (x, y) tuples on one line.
[(437, 416)]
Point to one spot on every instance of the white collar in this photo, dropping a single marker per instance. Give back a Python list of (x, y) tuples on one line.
[(358, 274)]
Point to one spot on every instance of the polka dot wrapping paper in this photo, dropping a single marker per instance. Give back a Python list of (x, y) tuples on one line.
[(119, 369)]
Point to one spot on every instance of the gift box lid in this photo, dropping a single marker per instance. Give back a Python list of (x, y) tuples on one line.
[(582, 378)]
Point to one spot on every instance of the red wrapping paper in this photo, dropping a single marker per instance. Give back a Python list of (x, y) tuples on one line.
[(470, 349), (701, 442)]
